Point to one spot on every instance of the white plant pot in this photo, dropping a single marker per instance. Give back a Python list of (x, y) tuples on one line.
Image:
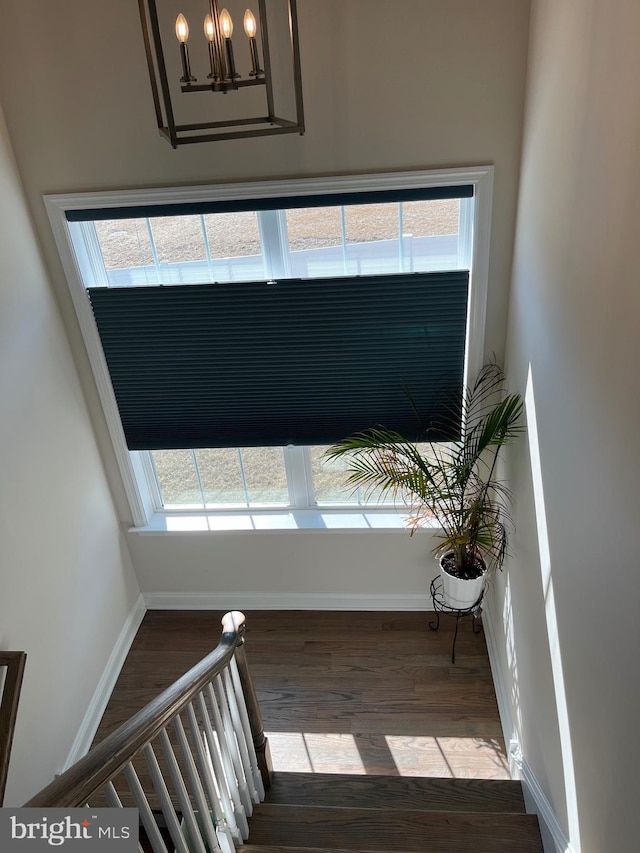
[(458, 593)]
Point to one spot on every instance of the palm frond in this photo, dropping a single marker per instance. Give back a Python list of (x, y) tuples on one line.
[(453, 484)]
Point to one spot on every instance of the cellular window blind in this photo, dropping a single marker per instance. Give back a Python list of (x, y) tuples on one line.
[(269, 203), (303, 362)]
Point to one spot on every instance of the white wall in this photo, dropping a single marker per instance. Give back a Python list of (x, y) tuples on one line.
[(319, 567), (573, 331), (66, 581), (409, 85)]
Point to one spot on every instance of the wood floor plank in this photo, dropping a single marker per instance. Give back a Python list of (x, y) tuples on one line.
[(430, 726)]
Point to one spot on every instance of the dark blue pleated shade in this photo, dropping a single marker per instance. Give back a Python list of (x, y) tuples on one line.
[(303, 362), (270, 203)]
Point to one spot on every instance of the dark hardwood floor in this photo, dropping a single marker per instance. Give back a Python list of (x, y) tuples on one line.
[(341, 692)]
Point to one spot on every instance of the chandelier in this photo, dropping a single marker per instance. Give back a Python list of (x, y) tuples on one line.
[(207, 88)]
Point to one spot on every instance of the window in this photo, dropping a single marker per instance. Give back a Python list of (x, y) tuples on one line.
[(385, 243)]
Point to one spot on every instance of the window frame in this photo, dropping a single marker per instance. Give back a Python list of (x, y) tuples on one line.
[(78, 261), (301, 490)]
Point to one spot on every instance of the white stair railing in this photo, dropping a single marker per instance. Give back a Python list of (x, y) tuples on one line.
[(201, 754)]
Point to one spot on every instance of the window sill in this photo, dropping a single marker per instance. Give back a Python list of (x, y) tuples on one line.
[(266, 521)]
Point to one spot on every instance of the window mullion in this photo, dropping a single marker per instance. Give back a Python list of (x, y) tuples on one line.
[(308, 473), (283, 243), (198, 477), (343, 232), (298, 470), (154, 249), (273, 238), (207, 250), (242, 476)]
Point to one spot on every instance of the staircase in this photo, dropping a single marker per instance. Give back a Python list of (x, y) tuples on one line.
[(196, 763), (319, 813)]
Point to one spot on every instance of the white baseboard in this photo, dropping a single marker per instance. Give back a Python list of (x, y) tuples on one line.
[(502, 696), (555, 841), (284, 601), (103, 691), (546, 815)]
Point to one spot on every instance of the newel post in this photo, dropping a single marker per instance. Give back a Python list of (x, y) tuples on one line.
[(260, 741)]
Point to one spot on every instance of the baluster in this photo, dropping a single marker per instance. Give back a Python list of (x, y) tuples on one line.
[(111, 796), (183, 797), (146, 815), (166, 805), (240, 734), (216, 694), (260, 741), (216, 788), (222, 764), (198, 792), (246, 727), (114, 802)]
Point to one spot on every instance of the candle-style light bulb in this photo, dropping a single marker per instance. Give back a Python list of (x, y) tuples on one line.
[(210, 34), (209, 29), (250, 24), (182, 29), (226, 24), (182, 34), (250, 29)]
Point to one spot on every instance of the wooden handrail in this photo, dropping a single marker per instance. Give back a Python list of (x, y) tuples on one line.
[(105, 760), (14, 663)]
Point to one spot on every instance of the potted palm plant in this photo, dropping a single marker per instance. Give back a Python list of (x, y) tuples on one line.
[(453, 486)]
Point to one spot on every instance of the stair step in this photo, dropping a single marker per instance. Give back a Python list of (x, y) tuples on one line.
[(396, 792), (269, 848), (399, 830)]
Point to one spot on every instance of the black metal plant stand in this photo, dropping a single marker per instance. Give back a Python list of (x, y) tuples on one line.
[(441, 606)]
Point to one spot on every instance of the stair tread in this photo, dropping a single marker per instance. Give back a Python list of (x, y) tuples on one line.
[(278, 848), (396, 792), (359, 829)]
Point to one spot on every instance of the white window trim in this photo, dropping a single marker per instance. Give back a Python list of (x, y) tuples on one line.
[(77, 268)]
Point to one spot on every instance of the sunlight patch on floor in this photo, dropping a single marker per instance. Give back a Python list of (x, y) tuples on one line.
[(453, 757), (315, 753), (398, 755)]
